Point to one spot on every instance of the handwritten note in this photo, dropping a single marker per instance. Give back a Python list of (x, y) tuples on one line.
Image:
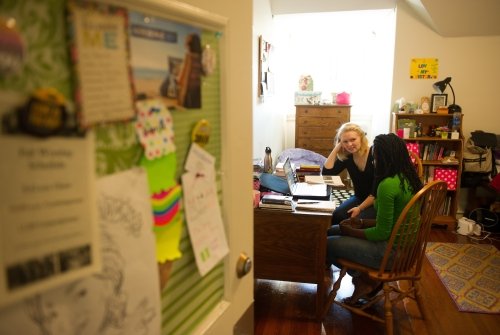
[(203, 215)]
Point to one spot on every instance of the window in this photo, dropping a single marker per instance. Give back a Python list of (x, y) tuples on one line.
[(342, 51)]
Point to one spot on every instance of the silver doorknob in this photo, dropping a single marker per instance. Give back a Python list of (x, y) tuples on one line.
[(244, 265)]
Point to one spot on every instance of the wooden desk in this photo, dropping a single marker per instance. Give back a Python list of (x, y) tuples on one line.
[(291, 246)]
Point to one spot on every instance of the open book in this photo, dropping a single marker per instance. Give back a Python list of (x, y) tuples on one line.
[(329, 180)]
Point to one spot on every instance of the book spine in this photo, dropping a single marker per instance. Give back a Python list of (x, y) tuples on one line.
[(276, 201), (276, 206)]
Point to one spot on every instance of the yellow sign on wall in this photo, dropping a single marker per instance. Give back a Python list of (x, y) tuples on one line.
[(424, 68)]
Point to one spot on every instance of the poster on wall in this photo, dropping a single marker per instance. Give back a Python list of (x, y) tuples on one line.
[(266, 76), (166, 61), (101, 60), (48, 221), (424, 68)]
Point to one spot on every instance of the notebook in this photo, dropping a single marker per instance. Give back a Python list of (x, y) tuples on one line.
[(329, 180), (316, 205), (304, 190)]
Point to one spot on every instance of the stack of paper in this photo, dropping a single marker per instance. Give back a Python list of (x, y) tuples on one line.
[(274, 201), (316, 206)]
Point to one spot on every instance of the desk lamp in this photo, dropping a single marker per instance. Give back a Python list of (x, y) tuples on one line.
[(440, 86)]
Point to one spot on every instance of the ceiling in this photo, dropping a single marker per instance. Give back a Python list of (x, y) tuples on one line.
[(448, 18)]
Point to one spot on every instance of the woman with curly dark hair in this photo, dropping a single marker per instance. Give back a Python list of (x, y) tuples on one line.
[(365, 241)]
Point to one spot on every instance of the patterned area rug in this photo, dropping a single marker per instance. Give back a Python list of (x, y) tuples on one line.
[(470, 273)]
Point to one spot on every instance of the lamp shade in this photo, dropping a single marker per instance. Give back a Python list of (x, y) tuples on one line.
[(440, 86)]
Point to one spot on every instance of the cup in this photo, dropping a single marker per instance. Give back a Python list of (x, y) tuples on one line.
[(444, 135)]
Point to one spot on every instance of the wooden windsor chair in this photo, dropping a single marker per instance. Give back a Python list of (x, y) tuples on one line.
[(402, 259)]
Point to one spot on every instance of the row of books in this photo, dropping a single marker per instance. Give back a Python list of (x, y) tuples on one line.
[(300, 170), (432, 151), (446, 208)]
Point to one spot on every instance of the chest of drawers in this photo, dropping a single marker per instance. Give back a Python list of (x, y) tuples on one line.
[(316, 126)]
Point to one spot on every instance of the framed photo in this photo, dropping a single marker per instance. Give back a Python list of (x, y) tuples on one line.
[(438, 100), (425, 104)]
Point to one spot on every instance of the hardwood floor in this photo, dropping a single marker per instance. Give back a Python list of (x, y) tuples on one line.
[(286, 308)]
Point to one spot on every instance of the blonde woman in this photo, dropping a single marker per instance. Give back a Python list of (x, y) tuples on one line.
[(352, 152)]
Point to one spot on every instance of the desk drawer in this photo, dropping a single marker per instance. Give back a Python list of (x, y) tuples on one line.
[(323, 111), (290, 246)]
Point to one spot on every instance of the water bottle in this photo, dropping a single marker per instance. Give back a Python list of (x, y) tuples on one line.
[(268, 161), (455, 126)]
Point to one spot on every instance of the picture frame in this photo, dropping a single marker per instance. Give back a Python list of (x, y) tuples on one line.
[(425, 104), (438, 100)]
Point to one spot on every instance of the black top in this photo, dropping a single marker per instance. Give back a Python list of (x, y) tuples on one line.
[(363, 181)]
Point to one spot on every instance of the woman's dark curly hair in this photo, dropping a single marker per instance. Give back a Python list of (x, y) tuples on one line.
[(392, 158)]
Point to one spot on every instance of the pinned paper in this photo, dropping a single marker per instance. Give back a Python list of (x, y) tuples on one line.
[(200, 161), (203, 214), (166, 206), (165, 194), (154, 127)]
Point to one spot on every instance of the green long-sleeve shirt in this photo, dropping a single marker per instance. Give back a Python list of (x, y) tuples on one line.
[(389, 204)]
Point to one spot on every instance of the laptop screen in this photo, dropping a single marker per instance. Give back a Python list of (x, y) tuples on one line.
[(289, 173)]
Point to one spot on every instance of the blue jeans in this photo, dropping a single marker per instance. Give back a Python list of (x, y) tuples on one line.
[(341, 214), (368, 253)]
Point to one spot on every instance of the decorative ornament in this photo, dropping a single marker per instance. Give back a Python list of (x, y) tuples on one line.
[(45, 113), (12, 49), (155, 129), (201, 133)]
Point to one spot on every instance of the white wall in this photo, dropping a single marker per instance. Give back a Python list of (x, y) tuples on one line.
[(268, 116), (472, 62)]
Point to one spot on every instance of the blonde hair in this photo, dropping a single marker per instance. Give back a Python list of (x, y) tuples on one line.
[(349, 126)]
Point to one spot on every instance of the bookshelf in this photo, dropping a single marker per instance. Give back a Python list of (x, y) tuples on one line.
[(432, 150)]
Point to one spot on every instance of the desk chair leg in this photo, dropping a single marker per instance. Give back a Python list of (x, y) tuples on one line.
[(419, 300), (388, 310), (333, 293)]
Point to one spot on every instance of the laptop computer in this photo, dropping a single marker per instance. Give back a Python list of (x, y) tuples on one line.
[(304, 190)]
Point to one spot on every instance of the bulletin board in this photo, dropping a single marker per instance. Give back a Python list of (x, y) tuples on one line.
[(186, 296)]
